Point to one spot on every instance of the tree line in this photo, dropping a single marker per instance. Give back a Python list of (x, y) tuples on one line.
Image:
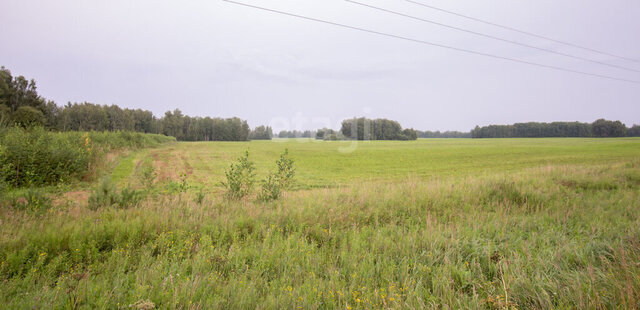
[(446, 134), (600, 128), (21, 105), (357, 129), (296, 134), (377, 129)]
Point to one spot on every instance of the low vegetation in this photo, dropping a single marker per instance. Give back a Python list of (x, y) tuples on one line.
[(240, 178), (107, 195), (278, 181), (538, 238), (36, 157)]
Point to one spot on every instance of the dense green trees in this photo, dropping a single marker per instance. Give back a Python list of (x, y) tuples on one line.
[(87, 116), (20, 104), (378, 129), (16, 93), (27, 116), (599, 128), (186, 128), (261, 133), (446, 134), (326, 134), (604, 128), (296, 134), (82, 117), (230, 129), (634, 131)]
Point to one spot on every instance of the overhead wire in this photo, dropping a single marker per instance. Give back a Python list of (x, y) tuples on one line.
[(430, 43), (522, 31), (489, 36)]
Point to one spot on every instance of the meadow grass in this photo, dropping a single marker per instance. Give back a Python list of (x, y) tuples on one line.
[(322, 164), (522, 223)]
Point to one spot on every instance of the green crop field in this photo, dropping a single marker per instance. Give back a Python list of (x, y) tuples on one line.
[(341, 163), (444, 224)]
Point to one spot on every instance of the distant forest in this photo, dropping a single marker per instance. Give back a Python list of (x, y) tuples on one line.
[(21, 105), (600, 128)]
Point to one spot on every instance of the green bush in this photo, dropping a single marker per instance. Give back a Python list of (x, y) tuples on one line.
[(105, 195), (240, 178), (35, 157), (271, 188), (278, 181), (148, 175), (129, 198)]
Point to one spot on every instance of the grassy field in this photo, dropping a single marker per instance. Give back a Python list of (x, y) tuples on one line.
[(329, 164), (498, 224)]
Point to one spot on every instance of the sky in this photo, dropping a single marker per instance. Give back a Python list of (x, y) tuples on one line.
[(220, 59)]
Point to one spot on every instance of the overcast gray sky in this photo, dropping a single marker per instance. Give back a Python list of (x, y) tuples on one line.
[(219, 59)]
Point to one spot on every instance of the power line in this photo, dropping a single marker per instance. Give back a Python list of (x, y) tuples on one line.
[(522, 31), (489, 36), (430, 43)]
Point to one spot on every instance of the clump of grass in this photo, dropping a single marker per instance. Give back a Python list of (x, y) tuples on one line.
[(31, 199), (240, 178), (143, 305), (200, 196), (632, 178), (506, 191), (107, 195), (590, 185), (129, 197), (278, 181), (176, 186)]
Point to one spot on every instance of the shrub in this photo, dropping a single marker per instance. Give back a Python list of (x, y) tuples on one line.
[(148, 175), (129, 198), (34, 156), (278, 181), (240, 178), (105, 195), (271, 188), (37, 157)]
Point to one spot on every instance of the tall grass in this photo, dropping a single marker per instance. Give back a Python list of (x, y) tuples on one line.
[(537, 239), (36, 157)]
